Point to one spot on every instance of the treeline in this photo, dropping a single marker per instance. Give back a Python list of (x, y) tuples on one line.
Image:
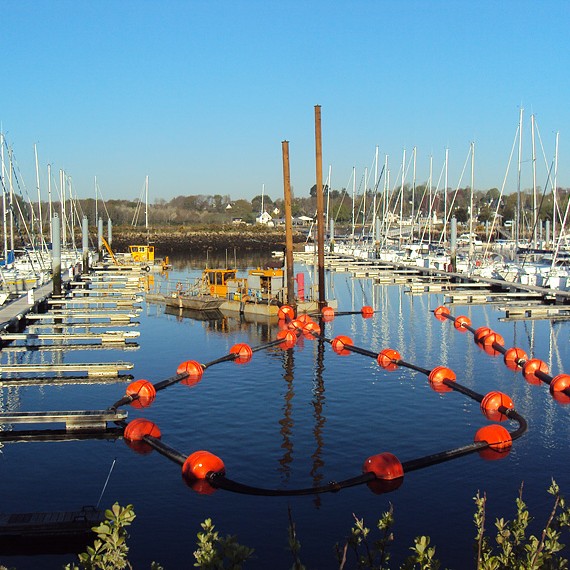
[(201, 209)]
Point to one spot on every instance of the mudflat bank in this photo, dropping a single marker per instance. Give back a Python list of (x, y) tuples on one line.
[(169, 241)]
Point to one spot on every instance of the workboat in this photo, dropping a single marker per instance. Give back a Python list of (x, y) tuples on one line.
[(260, 293)]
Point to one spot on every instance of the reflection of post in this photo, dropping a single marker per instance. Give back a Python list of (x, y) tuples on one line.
[(287, 421), (288, 225), (320, 420)]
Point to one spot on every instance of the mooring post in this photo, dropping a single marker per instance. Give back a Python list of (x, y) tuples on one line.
[(288, 226), (85, 244), (320, 209), (56, 256)]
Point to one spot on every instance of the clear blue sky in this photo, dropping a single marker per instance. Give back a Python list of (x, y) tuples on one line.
[(200, 94)]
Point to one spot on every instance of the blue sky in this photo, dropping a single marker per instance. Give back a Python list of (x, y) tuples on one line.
[(199, 94)]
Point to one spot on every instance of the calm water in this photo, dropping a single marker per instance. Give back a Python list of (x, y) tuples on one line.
[(297, 419)]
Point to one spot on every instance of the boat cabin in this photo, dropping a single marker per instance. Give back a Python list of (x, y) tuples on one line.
[(142, 253), (216, 281)]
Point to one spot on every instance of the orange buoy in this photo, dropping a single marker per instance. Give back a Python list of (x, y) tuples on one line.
[(243, 351), (296, 325), (289, 339), (515, 358), (387, 357), (489, 340), (440, 313), (531, 367), (438, 375), (327, 313), (461, 322), (192, 368), (144, 391), (142, 388), (481, 333), (385, 466), (304, 318), (339, 343), (491, 403), (381, 486), (311, 330), (200, 463), (286, 312), (367, 312), (496, 436), (558, 385), (137, 429)]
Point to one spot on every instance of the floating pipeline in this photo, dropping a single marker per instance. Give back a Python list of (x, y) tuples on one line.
[(534, 370), (205, 472)]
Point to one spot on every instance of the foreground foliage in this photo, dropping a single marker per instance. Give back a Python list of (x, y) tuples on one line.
[(510, 549)]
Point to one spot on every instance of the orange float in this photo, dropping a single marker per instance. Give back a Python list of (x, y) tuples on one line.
[(191, 368), (496, 436), (200, 463), (296, 325), (143, 391), (461, 323), (558, 385), (387, 357), (137, 429), (491, 339), (367, 312), (286, 313), (339, 343), (289, 339), (328, 314), (515, 358), (438, 375), (481, 333), (311, 330), (441, 313), (385, 466), (491, 403), (531, 367), (243, 352)]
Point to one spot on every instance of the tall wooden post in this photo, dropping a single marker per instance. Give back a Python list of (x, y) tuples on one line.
[(288, 226), (320, 209)]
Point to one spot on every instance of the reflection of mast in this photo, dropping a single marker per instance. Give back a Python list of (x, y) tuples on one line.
[(320, 420), (287, 422)]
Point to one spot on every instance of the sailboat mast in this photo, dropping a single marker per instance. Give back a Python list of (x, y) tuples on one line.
[(555, 191), (413, 197), (518, 212), (445, 196), (471, 238), (146, 204), (4, 205), (41, 227), (262, 196), (374, 236), (11, 201), (50, 204), (353, 197), (534, 198), (430, 198), (402, 196)]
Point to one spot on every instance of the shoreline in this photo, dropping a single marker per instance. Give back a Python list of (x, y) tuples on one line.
[(170, 241)]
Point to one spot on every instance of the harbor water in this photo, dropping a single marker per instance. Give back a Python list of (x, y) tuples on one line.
[(299, 418)]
